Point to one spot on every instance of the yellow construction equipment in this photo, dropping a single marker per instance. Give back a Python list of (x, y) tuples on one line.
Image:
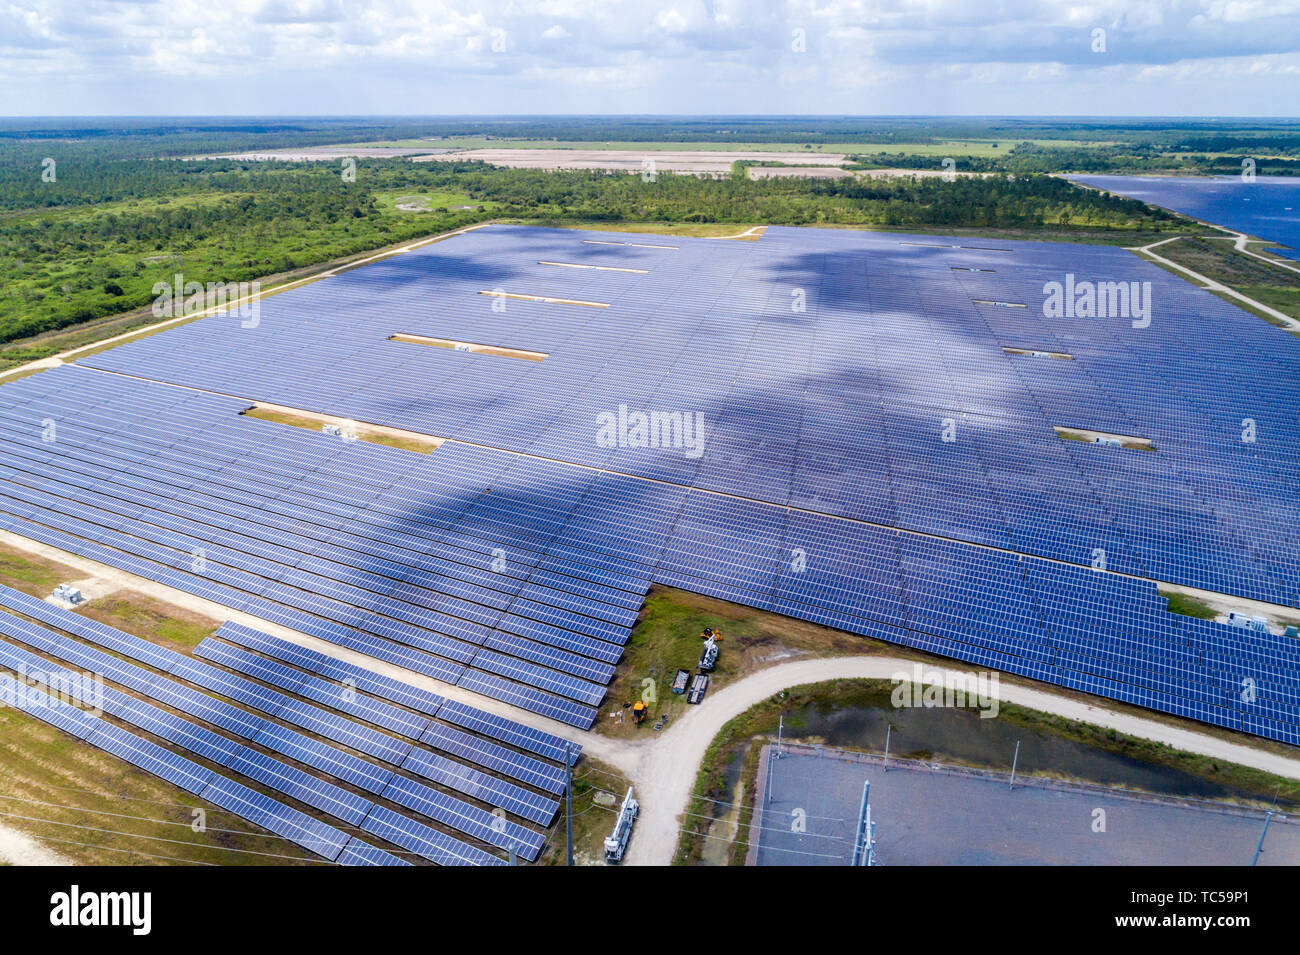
[(709, 655), (639, 711)]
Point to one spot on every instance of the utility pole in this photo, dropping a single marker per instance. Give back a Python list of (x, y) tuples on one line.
[(1260, 848), (1014, 759), (863, 850), (888, 728), (774, 756), (568, 799)]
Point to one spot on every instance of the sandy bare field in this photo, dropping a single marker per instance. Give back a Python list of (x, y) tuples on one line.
[(688, 161), (310, 153), (799, 172), (18, 848), (918, 173)]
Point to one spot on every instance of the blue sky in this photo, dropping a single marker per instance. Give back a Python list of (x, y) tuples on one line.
[(329, 57)]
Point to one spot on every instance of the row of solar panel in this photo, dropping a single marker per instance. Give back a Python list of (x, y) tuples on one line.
[(258, 808), (328, 797)]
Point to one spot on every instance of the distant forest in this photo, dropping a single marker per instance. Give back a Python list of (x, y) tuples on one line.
[(140, 138)]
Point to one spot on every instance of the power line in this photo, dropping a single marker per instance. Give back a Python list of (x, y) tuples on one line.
[(737, 842), (123, 815), (720, 802), (177, 842), (134, 852), (239, 832), (752, 825)]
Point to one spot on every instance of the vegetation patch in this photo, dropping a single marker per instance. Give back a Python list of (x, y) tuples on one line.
[(142, 616), (98, 810), (388, 437), (667, 637), (1188, 606), (34, 576), (598, 791)]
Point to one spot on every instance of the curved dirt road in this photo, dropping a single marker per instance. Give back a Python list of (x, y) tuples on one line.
[(663, 770)]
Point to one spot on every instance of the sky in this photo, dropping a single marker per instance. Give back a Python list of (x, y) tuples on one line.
[(702, 57)]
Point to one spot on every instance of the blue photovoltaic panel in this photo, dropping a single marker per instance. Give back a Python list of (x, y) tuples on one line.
[(199, 740), (219, 714), (424, 841), (262, 810), (150, 757), (819, 486), (506, 730), (338, 697), (18, 659), (250, 664), (304, 787), (347, 700), (349, 733), (500, 759), (482, 786), (460, 815), (328, 759), (47, 708), (530, 698), (357, 852), (242, 691), (272, 646), (330, 668)]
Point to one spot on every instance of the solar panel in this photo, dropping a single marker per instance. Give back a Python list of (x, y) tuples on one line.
[(423, 840), (482, 786), (500, 759), (458, 814), (357, 772), (508, 731), (262, 810), (49, 709), (150, 757), (302, 786), (357, 852)]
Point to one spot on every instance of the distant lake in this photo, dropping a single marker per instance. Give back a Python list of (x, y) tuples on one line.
[(1269, 207)]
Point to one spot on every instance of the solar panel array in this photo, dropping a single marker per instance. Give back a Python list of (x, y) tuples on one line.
[(352, 779), (871, 458), (1266, 206)]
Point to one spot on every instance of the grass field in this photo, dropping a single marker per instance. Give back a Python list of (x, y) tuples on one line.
[(34, 576), (407, 201), (164, 624), (1189, 606), (363, 433), (98, 810), (1217, 259), (667, 636)]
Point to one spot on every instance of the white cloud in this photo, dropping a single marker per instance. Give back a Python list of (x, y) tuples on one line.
[(394, 56)]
